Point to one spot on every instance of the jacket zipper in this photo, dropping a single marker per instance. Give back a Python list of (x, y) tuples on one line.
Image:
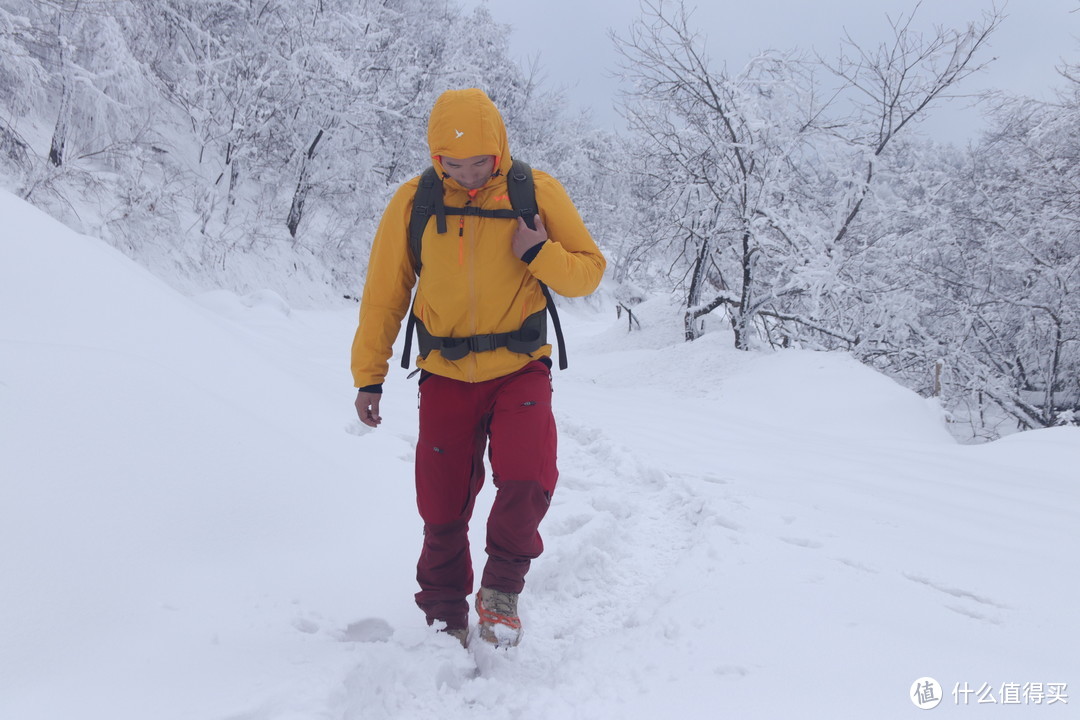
[(472, 372)]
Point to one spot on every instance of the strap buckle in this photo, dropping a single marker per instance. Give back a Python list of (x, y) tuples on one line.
[(483, 343)]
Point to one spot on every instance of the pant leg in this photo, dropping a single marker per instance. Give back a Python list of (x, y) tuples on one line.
[(523, 445), (449, 474)]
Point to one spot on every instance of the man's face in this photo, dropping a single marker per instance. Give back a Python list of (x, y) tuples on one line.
[(471, 173)]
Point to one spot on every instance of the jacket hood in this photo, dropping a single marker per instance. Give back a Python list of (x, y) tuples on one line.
[(464, 124)]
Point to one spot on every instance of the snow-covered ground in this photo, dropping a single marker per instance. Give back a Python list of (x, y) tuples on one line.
[(193, 525)]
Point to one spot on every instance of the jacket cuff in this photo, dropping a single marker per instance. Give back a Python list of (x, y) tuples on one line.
[(532, 252), (376, 389)]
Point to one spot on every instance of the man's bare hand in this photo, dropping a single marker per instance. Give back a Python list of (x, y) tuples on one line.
[(367, 408), (524, 238)]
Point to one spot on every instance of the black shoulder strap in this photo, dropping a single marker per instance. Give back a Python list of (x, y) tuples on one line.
[(556, 324), (428, 201), (522, 190)]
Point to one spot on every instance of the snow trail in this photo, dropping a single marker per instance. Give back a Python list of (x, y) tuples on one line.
[(616, 527)]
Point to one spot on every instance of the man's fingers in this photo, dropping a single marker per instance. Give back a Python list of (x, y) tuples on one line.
[(538, 223), (525, 237), (367, 409)]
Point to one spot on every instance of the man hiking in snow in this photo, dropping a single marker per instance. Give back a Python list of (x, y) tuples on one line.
[(479, 316)]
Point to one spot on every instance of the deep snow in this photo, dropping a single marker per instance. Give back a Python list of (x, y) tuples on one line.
[(194, 526)]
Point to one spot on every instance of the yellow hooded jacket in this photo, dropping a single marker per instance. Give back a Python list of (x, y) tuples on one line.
[(471, 283)]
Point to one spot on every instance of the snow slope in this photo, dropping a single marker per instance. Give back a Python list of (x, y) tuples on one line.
[(194, 526)]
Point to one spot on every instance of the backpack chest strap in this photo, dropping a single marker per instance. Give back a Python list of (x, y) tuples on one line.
[(503, 213)]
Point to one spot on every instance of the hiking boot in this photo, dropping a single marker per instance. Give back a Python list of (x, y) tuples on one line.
[(499, 621), (459, 634)]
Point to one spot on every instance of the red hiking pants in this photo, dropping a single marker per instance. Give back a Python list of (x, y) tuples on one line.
[(457, 420)]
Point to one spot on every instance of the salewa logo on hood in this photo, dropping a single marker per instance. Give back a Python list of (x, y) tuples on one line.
[(457, 133)]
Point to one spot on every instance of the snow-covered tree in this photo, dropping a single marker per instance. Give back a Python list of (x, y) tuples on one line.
[(1010, 266), (23, 79), (763, 177), (219, 141)]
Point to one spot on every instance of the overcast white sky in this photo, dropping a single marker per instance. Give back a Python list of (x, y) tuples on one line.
[(575, 51)]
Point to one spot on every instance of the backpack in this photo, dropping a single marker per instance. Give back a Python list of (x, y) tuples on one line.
[(532, 335)]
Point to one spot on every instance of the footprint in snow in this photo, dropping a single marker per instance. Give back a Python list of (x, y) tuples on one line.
[(367, 630), (304, 625), (803, 542)]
